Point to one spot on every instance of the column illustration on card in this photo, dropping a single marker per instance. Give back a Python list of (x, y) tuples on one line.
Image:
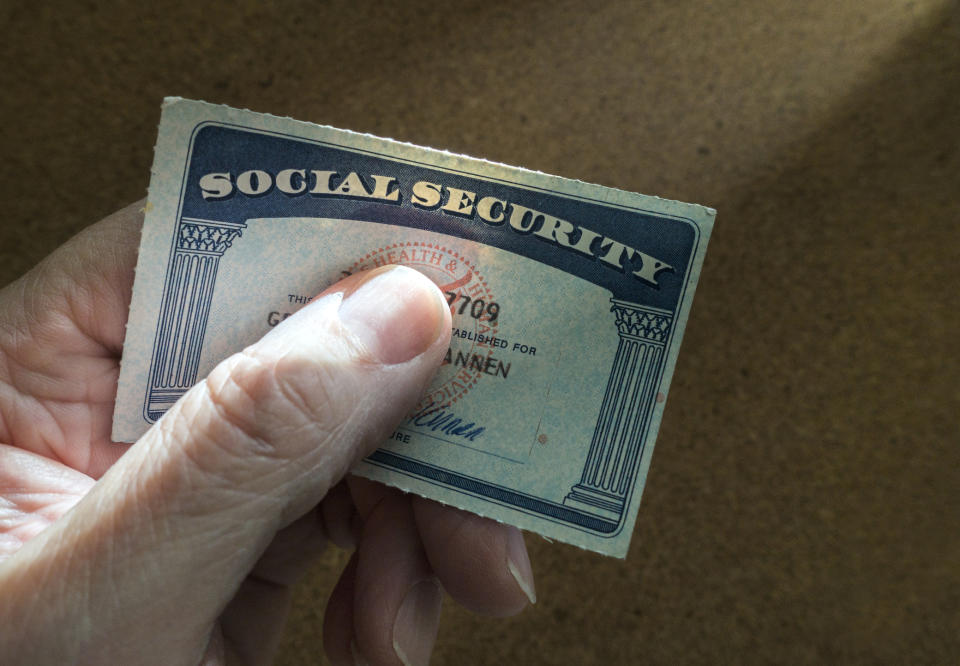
[(187, 296), (616, 447)]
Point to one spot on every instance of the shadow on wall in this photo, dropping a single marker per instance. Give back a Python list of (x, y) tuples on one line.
[(825, 325)]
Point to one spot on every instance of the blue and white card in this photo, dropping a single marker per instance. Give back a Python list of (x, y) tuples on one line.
[(569, 302)]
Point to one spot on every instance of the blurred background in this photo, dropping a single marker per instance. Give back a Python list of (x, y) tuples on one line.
[(803, 503)]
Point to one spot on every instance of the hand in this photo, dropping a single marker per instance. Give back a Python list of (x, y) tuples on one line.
[(181, 549)]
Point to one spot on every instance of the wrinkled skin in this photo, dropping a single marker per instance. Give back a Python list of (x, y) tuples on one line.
[(182, 548)]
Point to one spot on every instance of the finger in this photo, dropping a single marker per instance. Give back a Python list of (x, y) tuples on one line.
[(293, 550), (338, 639), (61, 340), (397, 600), (481, 563), (86, 284), (338, 515), (178, 522), (252, 623)]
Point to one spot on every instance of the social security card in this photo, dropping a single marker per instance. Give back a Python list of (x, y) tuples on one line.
[(569, 302)]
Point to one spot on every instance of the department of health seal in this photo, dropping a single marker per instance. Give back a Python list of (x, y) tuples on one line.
[(476, 313)]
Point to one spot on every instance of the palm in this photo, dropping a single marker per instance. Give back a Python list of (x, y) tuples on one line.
[(61, 332)]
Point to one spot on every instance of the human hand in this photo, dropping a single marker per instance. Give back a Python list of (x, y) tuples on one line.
[(181, 549)]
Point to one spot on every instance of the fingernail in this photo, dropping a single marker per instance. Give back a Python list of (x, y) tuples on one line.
[(358, 659), (415, 628), (396, 314), (518, 563)]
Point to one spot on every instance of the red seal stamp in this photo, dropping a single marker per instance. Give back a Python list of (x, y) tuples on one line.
[(476, 314)]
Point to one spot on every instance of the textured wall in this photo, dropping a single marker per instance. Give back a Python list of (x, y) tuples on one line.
[(803, 501)]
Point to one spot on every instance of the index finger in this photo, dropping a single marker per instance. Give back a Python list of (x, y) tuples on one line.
[(481, 563)]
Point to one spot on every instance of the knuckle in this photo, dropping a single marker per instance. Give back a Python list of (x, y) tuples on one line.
[(320, 401), (276, 408), (314, 391), (260, 407), (236, 399)]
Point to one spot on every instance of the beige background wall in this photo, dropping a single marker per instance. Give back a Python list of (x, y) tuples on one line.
[(803, 503)]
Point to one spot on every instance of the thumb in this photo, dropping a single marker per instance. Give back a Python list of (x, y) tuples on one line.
[(141, 568)]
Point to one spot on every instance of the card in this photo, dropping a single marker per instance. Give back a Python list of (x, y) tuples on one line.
[(569, 302)]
